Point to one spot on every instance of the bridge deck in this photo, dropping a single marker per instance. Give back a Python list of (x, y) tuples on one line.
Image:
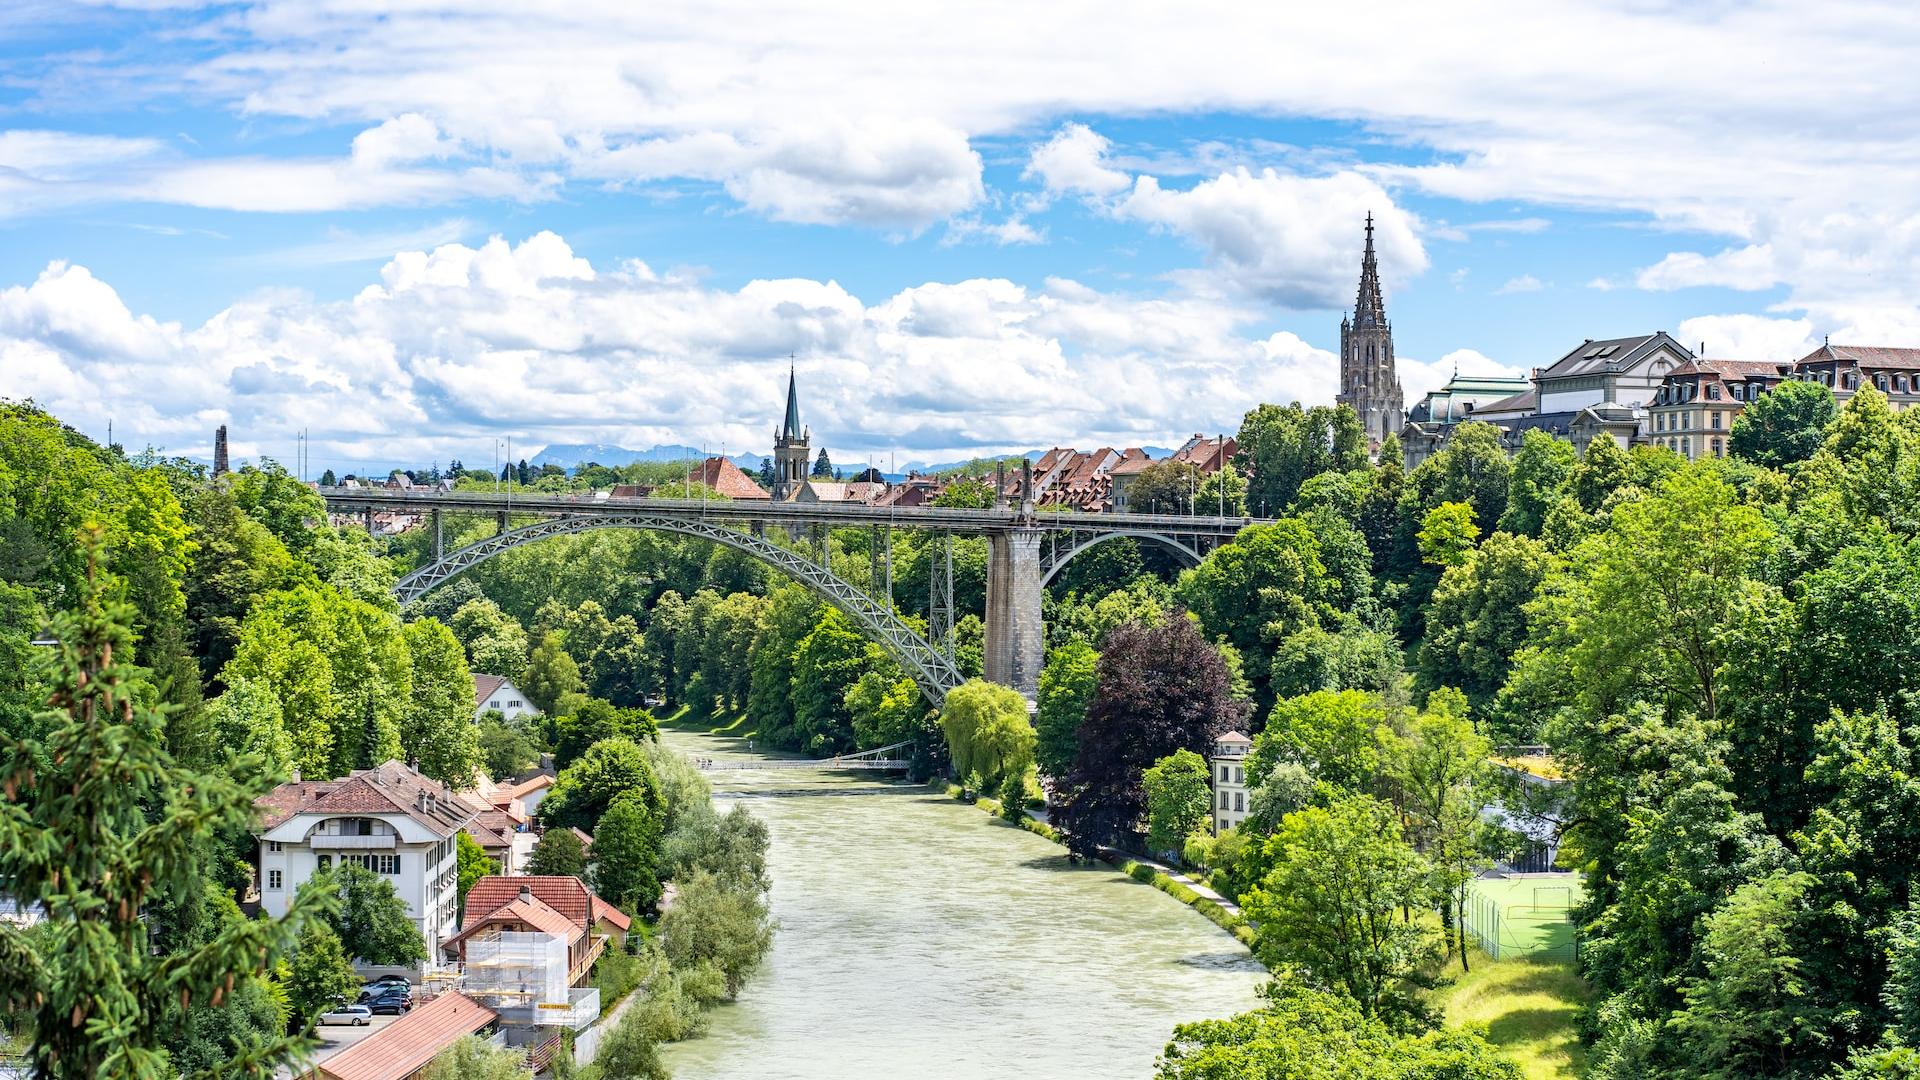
[(762, 512)]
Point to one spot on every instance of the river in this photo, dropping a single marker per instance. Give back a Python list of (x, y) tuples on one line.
[(921, 940)]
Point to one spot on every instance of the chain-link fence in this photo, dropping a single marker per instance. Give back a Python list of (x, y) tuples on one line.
[(1524, 916)]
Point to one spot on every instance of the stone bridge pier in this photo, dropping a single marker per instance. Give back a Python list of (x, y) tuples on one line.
[(1015, 580)]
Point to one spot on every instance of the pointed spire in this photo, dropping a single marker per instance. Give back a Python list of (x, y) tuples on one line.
[(791, 429), (1369, 309)]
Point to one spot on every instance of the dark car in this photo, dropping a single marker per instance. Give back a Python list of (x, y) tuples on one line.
[(392, 1002)]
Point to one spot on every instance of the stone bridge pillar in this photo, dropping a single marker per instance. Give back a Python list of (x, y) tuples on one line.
[(1015, 650)]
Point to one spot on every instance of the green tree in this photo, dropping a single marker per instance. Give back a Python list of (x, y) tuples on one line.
[(731, 846), (471, 1057), (823, 466), (711, 924), (1746, 1015), (1443, 772), (966, 493), (496, 643), (1266, 584), (1282, 448), (1542, 474), (368, 914), (885, 709), (558, 853), (1335, 905), (247, 720), (1223, 493), (98, 822), (1066, 685), (437, 734), (319, 974), (1179, 799), (1164, 487), (988, 733), (583, 790), (506, 748), (791, 616), (1448, 534), (827, 661), (1340, 736), (1303, 1034), (1785, 425), (626, 854), (593, 720), (1478, 618), (551, 674), (629, 1052), (471, 864)]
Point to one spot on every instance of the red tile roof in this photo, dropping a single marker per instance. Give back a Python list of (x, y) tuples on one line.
[(1873, 356), (405, 1046), (531, 912), (567, 895), (725, 478), (1737, 369), (484, 686), (389, 788)]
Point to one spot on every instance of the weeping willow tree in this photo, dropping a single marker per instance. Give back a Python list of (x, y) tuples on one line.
[(97, 822)]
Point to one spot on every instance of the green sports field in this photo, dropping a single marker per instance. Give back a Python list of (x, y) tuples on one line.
[(1524, 915)]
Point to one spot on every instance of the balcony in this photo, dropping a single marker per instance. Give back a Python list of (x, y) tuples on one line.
[(323, 842)]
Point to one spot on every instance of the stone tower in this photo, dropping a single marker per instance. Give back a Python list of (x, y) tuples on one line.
[(791, 462), (1368, 381), (220, 450)]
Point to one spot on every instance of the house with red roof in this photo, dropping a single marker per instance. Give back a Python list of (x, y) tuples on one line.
[(557, 905), (497, 692), (389, 819)]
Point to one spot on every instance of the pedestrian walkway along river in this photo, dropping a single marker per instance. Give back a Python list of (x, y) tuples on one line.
[(920, 940)]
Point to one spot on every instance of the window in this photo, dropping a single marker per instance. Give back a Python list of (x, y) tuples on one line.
[(273, 846), (366, 826), (514, 704), (1223, 774), (1686, 446), (1239, 775), (1883, 384), (1901, 383), (1713, 392), (273, 881), (325, 861), (1223, 800), (1716, 420), (1717, 451), (388, 864), (1239, 800)]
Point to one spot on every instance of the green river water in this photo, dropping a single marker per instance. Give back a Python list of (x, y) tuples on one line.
[(921, 940)]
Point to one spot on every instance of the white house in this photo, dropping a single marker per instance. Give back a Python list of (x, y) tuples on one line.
[(498, 692), (1229, 763), (389, 819)]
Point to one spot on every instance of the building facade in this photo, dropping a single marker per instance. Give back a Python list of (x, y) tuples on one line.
[(1694, 409), (389, 819), (1229, 766), (1846, 368), (1369, 381)]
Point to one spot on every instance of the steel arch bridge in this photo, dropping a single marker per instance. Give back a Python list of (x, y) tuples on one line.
[(1027, 549), (932, 670)]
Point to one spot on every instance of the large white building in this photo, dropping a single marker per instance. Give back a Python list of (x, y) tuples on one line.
[(389, 819), (1229, 766)]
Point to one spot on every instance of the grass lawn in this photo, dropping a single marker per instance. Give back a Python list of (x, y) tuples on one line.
[(1528, 1007)]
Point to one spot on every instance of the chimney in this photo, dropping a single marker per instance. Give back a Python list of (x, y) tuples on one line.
[(526, 894), (220, 450), (296, 774)]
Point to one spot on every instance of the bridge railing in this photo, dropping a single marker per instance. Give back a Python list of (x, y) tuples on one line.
[(774, 513)]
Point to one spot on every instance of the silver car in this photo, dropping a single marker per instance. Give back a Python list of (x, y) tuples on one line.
[(352, 1015)]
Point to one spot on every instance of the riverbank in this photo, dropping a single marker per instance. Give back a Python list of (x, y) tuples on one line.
[(1215, 908)]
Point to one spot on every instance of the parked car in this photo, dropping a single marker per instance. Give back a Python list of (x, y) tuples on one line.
[(392, 1002), (351, 1015), (390, 980)]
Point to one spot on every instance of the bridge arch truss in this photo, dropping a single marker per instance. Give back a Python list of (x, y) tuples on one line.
[(1062, 547), (930, 668)]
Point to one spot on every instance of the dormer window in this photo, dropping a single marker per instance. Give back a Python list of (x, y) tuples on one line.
[(1713, 392)]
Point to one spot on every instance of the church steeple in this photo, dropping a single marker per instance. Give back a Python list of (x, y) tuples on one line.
[(1369, 382), (791, 429), (790, 449)]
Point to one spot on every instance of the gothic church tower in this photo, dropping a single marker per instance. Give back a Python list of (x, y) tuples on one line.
[(1368, 381), (790, 460)]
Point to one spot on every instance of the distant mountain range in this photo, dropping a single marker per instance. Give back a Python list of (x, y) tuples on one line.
[(574, 455)]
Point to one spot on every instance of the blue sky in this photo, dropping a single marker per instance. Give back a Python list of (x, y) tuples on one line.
[(414, 231)]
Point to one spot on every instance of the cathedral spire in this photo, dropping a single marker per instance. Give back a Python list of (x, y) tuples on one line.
[(1369, 309)]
